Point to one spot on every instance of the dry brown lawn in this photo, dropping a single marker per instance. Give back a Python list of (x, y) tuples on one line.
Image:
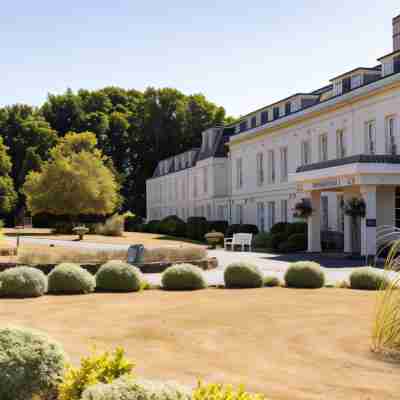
[(288, 344), (149, 240)]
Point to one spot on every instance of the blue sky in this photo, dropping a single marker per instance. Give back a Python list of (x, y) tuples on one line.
[(242, 55)]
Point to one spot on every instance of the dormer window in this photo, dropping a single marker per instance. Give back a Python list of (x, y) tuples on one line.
[(346, 85), (276, 112), (254, 122), (288, 108), (356, 81), (243, 126), (390, 127), (264, 117)]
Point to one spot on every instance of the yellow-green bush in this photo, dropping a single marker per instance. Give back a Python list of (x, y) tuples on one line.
[(183, 277), (97, 368), (305, 274), (22, 282), (118, 276), (243, 275), (271, 281), (223, 392)]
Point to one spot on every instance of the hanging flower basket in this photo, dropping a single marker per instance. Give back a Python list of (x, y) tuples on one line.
[(303, 209), (354, 207)]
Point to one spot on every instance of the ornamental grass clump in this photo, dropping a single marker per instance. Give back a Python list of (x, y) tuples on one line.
[(386, 323), (118, 276), (305, 274), (68, 278), (367, 278), (23, 282), (126, 388), (95, 369), (31, 365), (243, 275), (183, 277)]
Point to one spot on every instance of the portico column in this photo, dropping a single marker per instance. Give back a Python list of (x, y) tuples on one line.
[(368, 224), (348, 228), (314, 223)]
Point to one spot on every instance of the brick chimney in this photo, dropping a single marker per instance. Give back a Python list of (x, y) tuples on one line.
[(396, 33)]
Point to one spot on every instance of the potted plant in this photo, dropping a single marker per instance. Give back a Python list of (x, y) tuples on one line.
[(214, 238), (303, 209)]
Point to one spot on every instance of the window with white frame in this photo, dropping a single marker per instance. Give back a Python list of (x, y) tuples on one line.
[(209, 211), (260, 169), (370, 137), (284, 210), (239, 214), (390, 127), (239, 173), (271, 214), (271, 166), (340, 144), (324, 213), (306, 152), (323, 147), (284, 164), (261, 217), (205, 180), (221, 212)]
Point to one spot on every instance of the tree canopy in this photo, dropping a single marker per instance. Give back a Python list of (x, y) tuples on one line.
[(133, 129), (76, 180)]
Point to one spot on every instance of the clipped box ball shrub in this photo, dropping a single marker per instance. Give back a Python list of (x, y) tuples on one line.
[(183, 277), (279, 227), (31, 365), (173, 226), (296, 227), (118, 276), (196, 228), (243, 275), (69, 278), (23, 282), (366, 278), (305, 274), (135, 389), (263, 241), (271, 281)]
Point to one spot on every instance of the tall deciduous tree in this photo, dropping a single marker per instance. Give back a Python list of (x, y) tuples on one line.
[(8, 196), (76, 180)]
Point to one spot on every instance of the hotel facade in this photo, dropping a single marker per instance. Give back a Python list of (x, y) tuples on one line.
[(329, 145)]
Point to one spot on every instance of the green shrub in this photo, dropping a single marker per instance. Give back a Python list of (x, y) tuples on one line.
[(31, 365), (277, 239), (183, 277), (173, 226), (305, 274), (280, 227), (295, 242), (97, 368), (63, 228), (366, 278), (296, 227), (271, 281), (223, 392), (243, 275), (218, 226), (196, 228), (263, 241), (132, 222), (137, 389), (70, 278), (118, 276), (23, 282), (152, 226)]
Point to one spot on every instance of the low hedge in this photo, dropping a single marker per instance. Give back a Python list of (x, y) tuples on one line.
[(366, 278), (183, 277), (305, 274), (23, 282), (118, 276), (280, 227), (31, 365), (295, 242), (263, 241), (196, 228), (69, 278), (243, 275)]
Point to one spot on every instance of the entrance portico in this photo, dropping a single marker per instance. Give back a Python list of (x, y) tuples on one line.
[(372, 178)]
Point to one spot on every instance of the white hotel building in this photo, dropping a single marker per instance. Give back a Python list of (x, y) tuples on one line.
[(338, 142)]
